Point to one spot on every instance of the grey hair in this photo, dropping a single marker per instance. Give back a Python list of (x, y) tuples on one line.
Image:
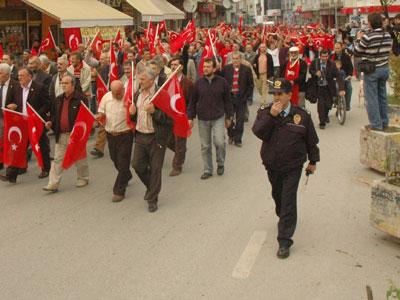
[(63, 59), (73, 79), (158, 61), (44, 59), (5, 68), (149, 73)]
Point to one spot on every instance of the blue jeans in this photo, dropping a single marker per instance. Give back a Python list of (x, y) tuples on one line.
[(376, 97), (212, 131)]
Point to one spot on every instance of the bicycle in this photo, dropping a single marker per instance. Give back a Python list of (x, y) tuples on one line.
[(340, 104)]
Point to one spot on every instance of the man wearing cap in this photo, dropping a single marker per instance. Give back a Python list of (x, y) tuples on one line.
[(295, 70), (289, 139)]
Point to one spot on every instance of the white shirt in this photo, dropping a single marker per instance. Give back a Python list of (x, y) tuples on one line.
[(5, 89), (115, 112), (275, 56), (144, 119), (25, 93)]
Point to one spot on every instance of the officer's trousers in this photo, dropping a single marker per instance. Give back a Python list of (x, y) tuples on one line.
[(284, 192)]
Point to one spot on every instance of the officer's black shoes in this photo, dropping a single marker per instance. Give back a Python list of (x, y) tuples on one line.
[(220, 170), (153, 207), (321, 126), (283, 252), (205, 176)]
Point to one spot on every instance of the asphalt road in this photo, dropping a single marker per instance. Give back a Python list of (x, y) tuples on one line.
[(213, 239)]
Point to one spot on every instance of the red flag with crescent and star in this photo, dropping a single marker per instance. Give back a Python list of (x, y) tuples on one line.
[(97, 44), (35, 131), (48, 43), (113, 66), (72, 37), (76, 149), (129, 94), (101, 89), (15, 139), (170, 100)]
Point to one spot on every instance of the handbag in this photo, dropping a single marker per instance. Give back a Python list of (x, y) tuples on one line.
[(367, 66), (311, 93)]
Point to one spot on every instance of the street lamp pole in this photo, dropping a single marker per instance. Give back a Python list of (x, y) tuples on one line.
[(336, 18)]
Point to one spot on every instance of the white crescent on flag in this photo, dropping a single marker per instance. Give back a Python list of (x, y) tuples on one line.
[(17, 130), (83, 125), (98, 45), (73, 38), (173, 100), (112, 68), (46, 42)]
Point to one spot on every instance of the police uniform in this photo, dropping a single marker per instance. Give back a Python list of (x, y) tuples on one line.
[(288, 140)]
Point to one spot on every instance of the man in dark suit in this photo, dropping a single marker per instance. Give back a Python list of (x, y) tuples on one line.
[(161, 77), (9, 59), (240, 80), (325, 72), (7, 88), (176, 143), (29, 91), (39, 76)]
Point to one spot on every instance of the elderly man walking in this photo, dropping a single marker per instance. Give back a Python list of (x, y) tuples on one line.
[(119, 136)]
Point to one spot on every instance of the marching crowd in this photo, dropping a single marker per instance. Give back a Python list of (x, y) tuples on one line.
[(125, 82)]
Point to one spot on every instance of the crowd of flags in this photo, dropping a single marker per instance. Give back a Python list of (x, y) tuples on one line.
[(21, 130)]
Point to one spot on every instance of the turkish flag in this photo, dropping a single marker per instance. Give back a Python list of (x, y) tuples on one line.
[(186, 36), (150, 32), (118, 39), (35, 131), (172, 36), (207, 53), (169, 98), (240, 27), (163, 26), (1, 51), (72, 37), (101, 89), (15, 139), (76, 149), (330, 41), (129, 93), (113, 66), (97, 44), (48, 43)]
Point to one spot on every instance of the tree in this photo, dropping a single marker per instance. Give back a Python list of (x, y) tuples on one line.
[(385, 4)]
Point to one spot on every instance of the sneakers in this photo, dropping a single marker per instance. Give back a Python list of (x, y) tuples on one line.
[(97, 153), (81, 183), (283, 252), (50, 188), (205, 176)]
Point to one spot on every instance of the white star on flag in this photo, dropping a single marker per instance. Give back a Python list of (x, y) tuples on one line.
[(14, 147)]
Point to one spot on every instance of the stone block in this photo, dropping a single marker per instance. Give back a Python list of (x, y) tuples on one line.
[(394, 115), (385, 207), (380, 150)]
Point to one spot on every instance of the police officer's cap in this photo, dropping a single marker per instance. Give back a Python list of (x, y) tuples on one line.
[(280, 85)]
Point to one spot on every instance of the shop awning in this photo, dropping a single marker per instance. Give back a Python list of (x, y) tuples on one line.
[(157, 10), (81, 13)]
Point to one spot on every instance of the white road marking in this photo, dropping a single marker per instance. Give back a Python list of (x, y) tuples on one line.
[(249, 255)]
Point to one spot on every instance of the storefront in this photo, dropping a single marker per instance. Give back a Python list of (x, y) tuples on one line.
[(23, 22)]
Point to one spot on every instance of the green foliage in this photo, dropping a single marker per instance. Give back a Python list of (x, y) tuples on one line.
[(393, 292), (394, 79)]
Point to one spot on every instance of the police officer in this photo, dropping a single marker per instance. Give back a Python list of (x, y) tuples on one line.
[(289, 137)]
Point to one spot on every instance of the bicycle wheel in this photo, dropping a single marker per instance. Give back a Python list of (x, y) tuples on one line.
[(341, 110)]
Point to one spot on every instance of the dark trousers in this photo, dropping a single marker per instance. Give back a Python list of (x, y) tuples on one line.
[(324, 103), (178, 145), (120, 148), (148, 159), (44, 145), (235, 132), (284, 192)]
